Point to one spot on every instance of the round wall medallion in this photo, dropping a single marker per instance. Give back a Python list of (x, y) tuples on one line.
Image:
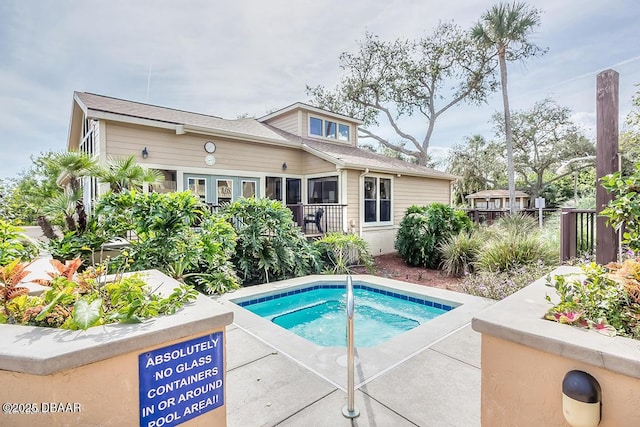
[(209, 147), (210, 160)]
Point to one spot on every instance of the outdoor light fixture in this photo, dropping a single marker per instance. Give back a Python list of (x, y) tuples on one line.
[(581, 399), (145, 153), (284, 166)]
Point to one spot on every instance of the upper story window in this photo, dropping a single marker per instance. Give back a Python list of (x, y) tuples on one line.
[(88, 142), (328, 129)]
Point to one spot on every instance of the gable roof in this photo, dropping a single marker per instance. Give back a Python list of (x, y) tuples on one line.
[(93, 105), (340, 154), (303, 106), (348, 156)]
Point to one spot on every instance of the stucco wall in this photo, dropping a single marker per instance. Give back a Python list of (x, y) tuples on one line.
[(95, 375), (525, 359), (106, 393), (522, 386)]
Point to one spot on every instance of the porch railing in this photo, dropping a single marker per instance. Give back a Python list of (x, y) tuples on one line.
[(577, 233), (318, 219), (313, 219)]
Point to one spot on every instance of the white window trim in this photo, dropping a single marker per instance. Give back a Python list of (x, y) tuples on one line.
[(206, 190), (366, 224), (326, 138), (305, 189)]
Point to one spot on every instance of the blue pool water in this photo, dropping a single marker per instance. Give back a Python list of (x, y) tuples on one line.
[(318, 313)]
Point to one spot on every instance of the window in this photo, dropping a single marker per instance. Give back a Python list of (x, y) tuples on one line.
[(315, 126), (328, 129), (343, 132), (248, 189), (294, 191), (323, 190), (225, 191), (274, 187), (198, 186), (87, 144), (377, 199)]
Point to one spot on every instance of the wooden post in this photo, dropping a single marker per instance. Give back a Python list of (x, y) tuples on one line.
[(567, 234), (607, 159)]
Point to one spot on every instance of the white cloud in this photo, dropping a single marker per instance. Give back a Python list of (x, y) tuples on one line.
[(231, 57)]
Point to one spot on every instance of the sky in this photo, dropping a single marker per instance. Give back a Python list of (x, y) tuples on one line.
[(234, 57)]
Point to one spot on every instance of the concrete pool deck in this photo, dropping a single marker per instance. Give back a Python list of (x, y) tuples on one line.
[(427, 376)]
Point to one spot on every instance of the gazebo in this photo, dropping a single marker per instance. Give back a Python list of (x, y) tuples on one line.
[(497, 199)]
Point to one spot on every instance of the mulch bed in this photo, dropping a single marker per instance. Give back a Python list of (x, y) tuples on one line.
[(393, 267)]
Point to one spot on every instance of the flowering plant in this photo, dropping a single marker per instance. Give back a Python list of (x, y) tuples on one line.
[(80, 300), (604, 298)]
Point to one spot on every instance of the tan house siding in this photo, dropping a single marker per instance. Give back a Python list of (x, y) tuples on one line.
[(287, 122), (409, 190), (184, 151), (314, 165), (305, 124), (249, 151), (353, 201)]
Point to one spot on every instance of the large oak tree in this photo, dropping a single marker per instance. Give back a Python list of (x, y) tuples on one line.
[(386, 83), (545, 138)]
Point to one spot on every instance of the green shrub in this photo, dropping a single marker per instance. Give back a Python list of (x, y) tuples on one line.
[(13, 244), (339, 252), (512, 242), (499, 285), (423, 229), (515, 224), (623, 212), (269, 245), (174, 234), (510, 251), (168, 239), (86, 246), (460, 252)]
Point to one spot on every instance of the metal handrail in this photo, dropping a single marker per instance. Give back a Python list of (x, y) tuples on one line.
[(350, 411)]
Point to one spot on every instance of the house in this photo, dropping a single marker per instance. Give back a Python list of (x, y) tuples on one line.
[(304, 156), (497, 199)]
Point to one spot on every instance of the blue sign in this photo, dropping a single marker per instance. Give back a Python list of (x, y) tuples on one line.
[(181, 381)]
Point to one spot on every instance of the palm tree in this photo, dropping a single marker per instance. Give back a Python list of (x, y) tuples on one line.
[(75, 165), (125, 174), (506, 28)]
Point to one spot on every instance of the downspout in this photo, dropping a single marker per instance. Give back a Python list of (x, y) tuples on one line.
[(361, 201)]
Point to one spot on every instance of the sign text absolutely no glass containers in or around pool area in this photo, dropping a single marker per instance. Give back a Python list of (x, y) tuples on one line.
[(181, 381)]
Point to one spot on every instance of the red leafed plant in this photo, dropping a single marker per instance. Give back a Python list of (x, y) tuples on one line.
[(66, 270), (10, 275)]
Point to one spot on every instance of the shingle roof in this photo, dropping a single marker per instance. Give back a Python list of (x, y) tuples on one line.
[(168, 115), (495, 193), (355, 157), (346, 155)]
